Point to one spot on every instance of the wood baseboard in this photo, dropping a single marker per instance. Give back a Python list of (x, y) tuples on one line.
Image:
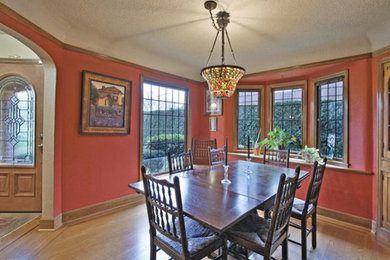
[(345, 217), (14, 235), (50, 224), (101, 208)]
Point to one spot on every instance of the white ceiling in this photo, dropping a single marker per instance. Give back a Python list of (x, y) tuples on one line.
[(175, 36), (10, 48)]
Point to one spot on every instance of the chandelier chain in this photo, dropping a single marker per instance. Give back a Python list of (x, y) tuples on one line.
[(213, 21), (212, 49), (231, 48)]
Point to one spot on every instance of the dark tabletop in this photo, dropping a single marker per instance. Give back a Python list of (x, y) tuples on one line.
[(220, 206)]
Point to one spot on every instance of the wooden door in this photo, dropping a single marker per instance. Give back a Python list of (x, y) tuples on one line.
[(385, 158), (21, 113)]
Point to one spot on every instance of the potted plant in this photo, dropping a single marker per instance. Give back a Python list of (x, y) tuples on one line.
[(310, 154), (277, 139)]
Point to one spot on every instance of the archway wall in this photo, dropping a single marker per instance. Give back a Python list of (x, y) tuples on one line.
[(51, 55), (89, 169)]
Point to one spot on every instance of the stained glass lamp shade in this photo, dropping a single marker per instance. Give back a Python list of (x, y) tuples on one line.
[(222, 80)]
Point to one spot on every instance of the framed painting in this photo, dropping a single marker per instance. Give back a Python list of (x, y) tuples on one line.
[(106, 104), (213, 105), (213, 124)]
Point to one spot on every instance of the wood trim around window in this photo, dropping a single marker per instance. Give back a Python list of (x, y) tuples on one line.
[(380, 144), (290, 85), (314, 114), (168, 84), (261, 114)]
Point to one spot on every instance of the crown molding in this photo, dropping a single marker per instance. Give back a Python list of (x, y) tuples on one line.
[(311, 65), (16, 16), (381, 51)]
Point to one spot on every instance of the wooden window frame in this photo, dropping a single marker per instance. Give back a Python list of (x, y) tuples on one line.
[(314, 123), (301, 84), (168, 84), (259, 88)]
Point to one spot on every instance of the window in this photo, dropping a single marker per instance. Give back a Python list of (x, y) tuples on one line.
[(164, 124), (17, 122), (288, 110), (331, 117), (248, 116)]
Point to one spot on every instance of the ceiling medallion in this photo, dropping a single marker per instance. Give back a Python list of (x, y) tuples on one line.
[(221, 79)]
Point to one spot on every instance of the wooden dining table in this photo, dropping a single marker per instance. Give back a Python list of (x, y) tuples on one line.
[(220, 206)]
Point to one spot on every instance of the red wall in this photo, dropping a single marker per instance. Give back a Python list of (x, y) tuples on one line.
[(94, 168)]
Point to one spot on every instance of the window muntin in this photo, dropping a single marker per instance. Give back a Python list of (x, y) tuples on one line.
[(248, 118), (287, 105), (17, 122), (330, 118), (164, 124)]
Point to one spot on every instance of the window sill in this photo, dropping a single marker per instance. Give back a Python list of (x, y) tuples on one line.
[(298, 161)]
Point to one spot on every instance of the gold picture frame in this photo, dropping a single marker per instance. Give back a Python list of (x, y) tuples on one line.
[(106, 104)]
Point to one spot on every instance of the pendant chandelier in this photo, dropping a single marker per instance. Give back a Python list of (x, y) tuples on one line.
[(221, 79)]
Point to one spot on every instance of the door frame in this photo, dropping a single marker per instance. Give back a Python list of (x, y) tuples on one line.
[(48, 220), (378, 227)]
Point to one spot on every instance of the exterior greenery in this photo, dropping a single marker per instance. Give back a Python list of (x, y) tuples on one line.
[(248, 123), (331, 118), (164, 127), (287, 114)]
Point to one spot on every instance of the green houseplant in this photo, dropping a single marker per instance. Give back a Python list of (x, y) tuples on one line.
[(310, 154), (277, 139)]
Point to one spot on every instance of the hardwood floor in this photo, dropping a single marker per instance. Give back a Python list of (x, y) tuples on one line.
[(124, 235)]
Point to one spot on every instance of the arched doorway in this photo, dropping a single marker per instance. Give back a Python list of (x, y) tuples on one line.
[(49, 83), (20, 154)]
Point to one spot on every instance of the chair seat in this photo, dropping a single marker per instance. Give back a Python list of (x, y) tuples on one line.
[(253, 229), (198, 237), (297, 209)]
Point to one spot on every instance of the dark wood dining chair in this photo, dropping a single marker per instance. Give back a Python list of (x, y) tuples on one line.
[(177, 235), (200, 150), (216, 156), (303, 210), (264, 236), (180, 162), (277, 157)]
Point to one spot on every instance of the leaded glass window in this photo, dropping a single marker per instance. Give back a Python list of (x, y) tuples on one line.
[(287, 112), (330, 117), (17, 125), (248, 119), (164, 124)]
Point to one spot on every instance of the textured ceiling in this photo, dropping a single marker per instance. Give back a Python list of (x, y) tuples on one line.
[(175, 36)]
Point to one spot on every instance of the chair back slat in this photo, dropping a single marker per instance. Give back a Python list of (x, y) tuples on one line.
[(200, 150), (277, 157), (216, 156), (313, 191), (283, 206), (180, 162), (163, 203)]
